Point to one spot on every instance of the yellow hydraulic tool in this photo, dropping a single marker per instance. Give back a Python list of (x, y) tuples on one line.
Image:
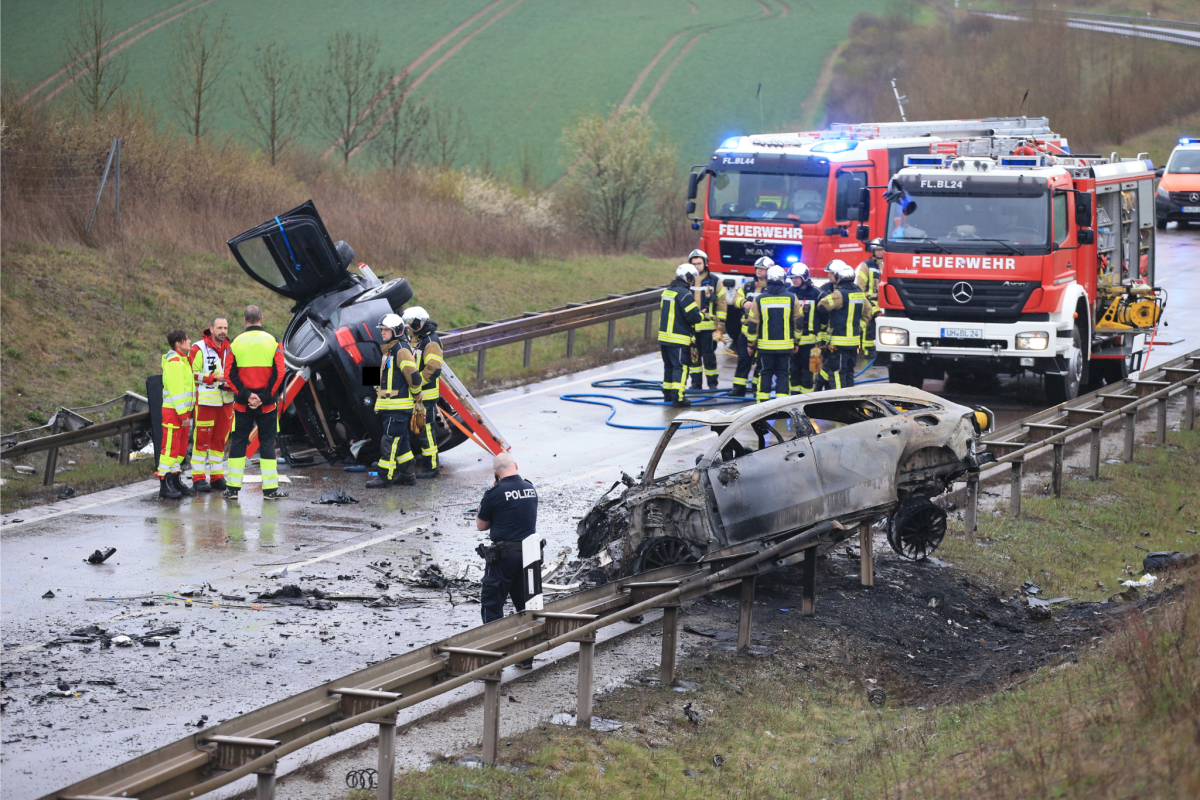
[(1138, 306)]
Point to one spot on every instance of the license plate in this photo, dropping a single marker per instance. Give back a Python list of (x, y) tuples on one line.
[(962, 333), (1191, 209)]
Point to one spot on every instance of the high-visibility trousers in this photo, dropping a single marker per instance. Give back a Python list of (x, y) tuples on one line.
[(745, 361), (394, 448), (802, 378), (837, 368), (706, 366), (213, 424), (773, 374), (174, 441), (675, 371), (426, 439), (243, 424)]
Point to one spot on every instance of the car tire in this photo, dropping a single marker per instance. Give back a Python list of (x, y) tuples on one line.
[(396, 291), (916, 527), (1061, 388)]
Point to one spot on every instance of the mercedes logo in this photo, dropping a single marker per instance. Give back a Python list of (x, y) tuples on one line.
[(962, 292), (1194, 197)]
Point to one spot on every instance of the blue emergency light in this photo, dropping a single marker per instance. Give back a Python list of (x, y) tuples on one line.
[(792, 259), (730, 143), (834, 146), (1020, 161), (925, 161), (1189, 140)]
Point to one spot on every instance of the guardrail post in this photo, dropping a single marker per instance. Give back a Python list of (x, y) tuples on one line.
[(649, 333), (387, 758), (670, 639), (746, 613), (491, 719), (266, 783), (866, 547), (587, 671), (1014, 490), (1189, 407), (571, 343), (126, 439), (612, 334), (527, 359), (480, 364), (1130, 423), (808, 583), (971, 513), (1056, 480), (1162, 420), (52, 453), (1097, 434)]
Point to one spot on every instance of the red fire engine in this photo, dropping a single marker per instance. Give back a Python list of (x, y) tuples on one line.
[(1007, 254)]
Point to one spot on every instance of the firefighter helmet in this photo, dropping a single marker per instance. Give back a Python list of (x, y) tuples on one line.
[(764, 262), (392, 322), (876, 242), (775, 273), (686, 272), (800, 270), (345, 253), (839, 270), (416, 318), (698, 254)]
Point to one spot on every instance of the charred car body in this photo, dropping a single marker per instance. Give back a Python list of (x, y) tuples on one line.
[(331, 340), (779, 467)]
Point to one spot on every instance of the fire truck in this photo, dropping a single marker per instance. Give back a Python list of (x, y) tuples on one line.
[(798, 196), (1007, 254)]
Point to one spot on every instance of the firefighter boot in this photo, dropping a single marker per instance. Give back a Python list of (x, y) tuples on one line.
[(737, 391), (681, 402), (712, 381), (165, 490), (697, 379), (406, 474), (219, 485), (178, 485), (380, 481), (202, 485), (426, 470)]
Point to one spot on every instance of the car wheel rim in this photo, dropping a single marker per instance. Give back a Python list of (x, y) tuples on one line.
[(919, 532), (665, 552)]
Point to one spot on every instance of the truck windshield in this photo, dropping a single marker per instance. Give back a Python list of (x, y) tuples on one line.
[(766, 195), (957, 222), (1185, 162)]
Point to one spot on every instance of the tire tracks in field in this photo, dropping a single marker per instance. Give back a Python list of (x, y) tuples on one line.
[(641, 78), (395, 104), (127, 43), (662, 79), (808, 108)]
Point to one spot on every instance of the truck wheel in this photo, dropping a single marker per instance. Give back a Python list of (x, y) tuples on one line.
[(1061, 388), (917, 527), (1161, 224), (905, 375)]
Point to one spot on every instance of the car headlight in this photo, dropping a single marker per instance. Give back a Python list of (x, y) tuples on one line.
[(1163, 193), (1034, 340), (894, 337)]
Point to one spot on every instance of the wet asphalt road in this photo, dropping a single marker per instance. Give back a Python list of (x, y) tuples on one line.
[(229, 659)]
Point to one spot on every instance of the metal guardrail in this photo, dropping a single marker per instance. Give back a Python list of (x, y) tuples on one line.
[(253, 743), (1087, 413), (1106, 23)]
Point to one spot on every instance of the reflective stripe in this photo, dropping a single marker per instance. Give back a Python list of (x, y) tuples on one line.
[(775, 324), (270, 473), (666, 325), (399, 402), (237, 467)]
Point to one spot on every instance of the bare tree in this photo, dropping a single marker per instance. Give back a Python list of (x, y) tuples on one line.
[(202, 52), (449, 134), (273, 99), (90, 63), (402, 140), (352, 93)]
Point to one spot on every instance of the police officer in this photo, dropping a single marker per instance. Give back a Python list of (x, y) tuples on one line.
[(741, 343), (801, 375), (771, 332), (711, 301), (867, 277), (508, 512), (399, 387), (840, 315), (428, 353), (678, 317)]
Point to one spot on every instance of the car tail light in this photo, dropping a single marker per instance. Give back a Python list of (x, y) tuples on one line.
[(346, 339)]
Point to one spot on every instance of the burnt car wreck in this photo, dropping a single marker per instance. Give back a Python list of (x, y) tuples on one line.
[(780, 467)]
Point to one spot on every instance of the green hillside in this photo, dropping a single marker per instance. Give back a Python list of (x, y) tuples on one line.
[(520, 71)]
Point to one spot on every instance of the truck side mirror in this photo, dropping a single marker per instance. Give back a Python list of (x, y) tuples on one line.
[(1083, 210), (1086, 236), (862, 233), (1158, 173), (689, 208), (693, 183), (864, 204)]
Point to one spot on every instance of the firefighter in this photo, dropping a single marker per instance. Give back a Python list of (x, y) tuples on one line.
[(214, 406), (840, 315), (733, 312), (801, 376), (399, 388), (867, 278), (771, 333), (508, 512), (678, 317), (179, 389), (741, 344), (256, 375), (427, 347), (711, 301)]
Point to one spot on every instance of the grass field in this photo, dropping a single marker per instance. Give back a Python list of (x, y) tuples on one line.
[(526, 68)]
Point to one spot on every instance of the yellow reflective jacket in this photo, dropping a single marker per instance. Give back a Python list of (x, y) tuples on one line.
[(179, 385)]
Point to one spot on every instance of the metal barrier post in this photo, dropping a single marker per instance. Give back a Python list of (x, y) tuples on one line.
[(866, 546), (1014, 491), (527, 359), (1130, 422), (808, 583), (1096, 434), (971, 514), (52, 453), (571, 343), (266, 784), (126, 439), (1189, 407), (670, 639), (491, 719), (612, 334), (1162, 420), (480, 364), (587, 670), (387, 758), (746, 612), (1056, 480), (649, 334)]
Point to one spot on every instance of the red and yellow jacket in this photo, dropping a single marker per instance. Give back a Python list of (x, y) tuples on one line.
[(256, 367)]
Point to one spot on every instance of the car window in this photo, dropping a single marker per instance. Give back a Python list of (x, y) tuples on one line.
[(903, 406), (1061, 229), (835, 414), (259, 258), (767, 432)]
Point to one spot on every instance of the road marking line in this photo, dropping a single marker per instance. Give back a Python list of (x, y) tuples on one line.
[(556, 387), (353, 547), (130, 491)]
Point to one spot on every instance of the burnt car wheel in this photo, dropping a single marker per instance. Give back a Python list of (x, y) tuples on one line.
[(917, 527), (664, 551)]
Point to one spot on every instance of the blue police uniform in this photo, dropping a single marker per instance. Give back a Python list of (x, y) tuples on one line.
[(511, 508)]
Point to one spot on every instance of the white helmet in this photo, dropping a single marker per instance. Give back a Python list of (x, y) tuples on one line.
[(392, 322), (764, 262), (839, 270), (776, 273), (686, 272), (416, 317), (800, 270), (698, 254)]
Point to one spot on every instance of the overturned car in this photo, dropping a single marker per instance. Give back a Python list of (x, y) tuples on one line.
[(776, 468)]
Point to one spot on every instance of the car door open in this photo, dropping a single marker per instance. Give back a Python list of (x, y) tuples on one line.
[(291, 254)]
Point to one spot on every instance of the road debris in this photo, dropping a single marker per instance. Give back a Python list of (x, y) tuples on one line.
[(693, 716), (122, 641), (877, 698), (1142, 582), (49, 595), (68, 491), (1168, 559), (599, 724), (339, 498), (361, 778), (99, 557)]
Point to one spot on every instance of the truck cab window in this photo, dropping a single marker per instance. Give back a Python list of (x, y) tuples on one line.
[(849, 186), (1061, 228)]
